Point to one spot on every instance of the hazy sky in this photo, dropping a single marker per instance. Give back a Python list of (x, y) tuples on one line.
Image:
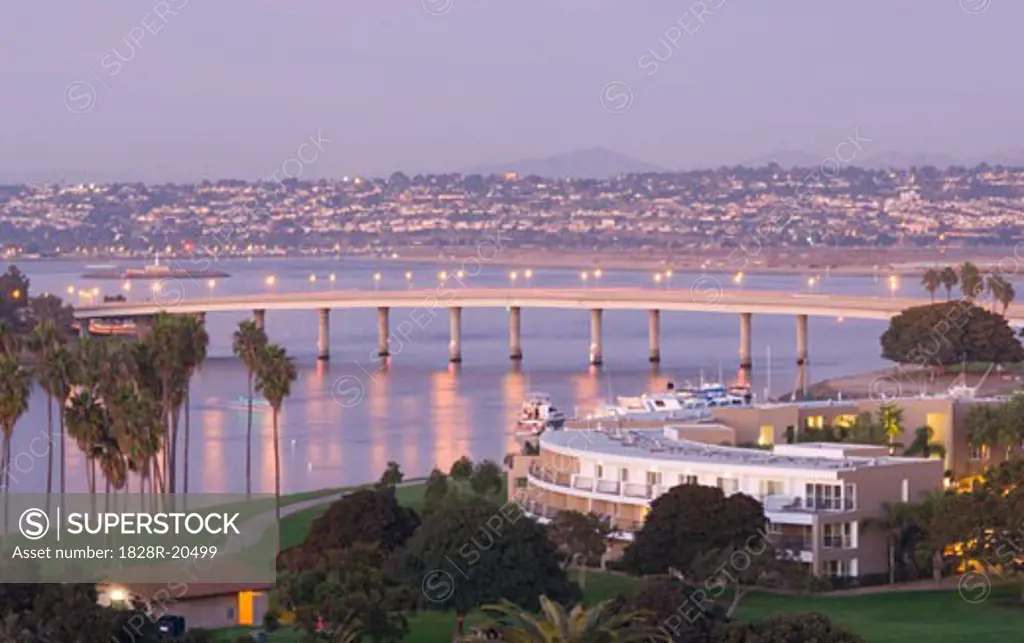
[(232, 88)]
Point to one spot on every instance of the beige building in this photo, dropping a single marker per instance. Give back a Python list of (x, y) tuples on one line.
[(203, 605), (816, 495)]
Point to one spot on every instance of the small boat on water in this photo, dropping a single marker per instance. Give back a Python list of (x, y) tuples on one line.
[(539, 415), (153, 271), (124, 328)]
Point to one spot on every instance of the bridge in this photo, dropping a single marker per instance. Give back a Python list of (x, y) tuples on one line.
[(708, 297)]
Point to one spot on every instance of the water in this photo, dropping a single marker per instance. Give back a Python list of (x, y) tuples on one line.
[(345, 420)]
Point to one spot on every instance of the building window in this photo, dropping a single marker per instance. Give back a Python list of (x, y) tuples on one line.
[(774, 529), (823, 497), (231, 613), (653, 478), (905, 491), (844, 421), (623, 474), (979, 452), (837, 536), (728, 485), (771, 488), (685, 478), (599, 471), (766, 437), (815, 422), (520, 483)]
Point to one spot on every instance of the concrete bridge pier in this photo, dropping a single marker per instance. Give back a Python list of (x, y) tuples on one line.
[(802, 363), (323, 342), (515, 347), (455, 328), (746, 362), (259, 315), (595, 337), (383, 328), (654, 326)]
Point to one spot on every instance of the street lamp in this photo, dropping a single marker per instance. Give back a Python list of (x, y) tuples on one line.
[(408, 277), (738, 277), (583, 277), (528, 273), (211, 284), (597, 276), (442, 276), (657, 278), (270, 280), (668, 275), (332, 278), (512, 276), (376, 280), (71, 290), (312, 279), (894, 284), (126, 286)]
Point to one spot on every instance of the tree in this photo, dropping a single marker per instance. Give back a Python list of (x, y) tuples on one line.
[(896, 522), (949, 280), (275, 373), (890, 417), (14, 394), (470, 552), (366, 516), (931, 280), (923, 446), (971, 282), (948, 333), (1001, 290), (348, 596), (866, 429), (462, 469), (598, 624), (88, 422), (392, 476), (168, 340), (196, 341), (942, 521), (435, 490), (740, 570), (42, 344), (680, 610), (248, 339), (487, 477), (997, 426), (690, 519), (580, 537), (997, 513)]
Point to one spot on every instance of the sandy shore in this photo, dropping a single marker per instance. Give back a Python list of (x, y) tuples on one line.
[(898, 382)]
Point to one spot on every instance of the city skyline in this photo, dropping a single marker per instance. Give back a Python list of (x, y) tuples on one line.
[(179, 91)]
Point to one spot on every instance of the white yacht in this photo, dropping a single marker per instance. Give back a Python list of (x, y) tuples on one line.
[(675, 404), (539, 415)]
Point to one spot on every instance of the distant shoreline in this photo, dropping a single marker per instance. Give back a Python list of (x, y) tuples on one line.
[(859, 262)]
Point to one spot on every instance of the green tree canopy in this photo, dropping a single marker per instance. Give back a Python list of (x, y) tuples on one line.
[(949, 333), (688, 520)]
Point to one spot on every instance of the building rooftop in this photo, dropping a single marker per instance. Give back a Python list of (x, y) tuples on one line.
[(659, 444)]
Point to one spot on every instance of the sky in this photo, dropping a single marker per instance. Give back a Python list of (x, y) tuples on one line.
[(176, 90)]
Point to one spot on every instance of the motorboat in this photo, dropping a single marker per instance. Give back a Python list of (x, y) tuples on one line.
[(538, 415), (687, 403)]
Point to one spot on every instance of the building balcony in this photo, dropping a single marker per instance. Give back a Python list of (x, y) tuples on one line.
[(783, 504), (622, 529), (603, 489)]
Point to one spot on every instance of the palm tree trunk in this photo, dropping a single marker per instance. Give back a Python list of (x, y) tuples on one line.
[(49, 453), (6, 480), (188, 422), (248, 443), (892, 562), (172, 467), (277, 471), (937, 566), (63, 455)]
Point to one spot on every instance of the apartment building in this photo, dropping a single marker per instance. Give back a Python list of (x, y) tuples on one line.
[(816, 495)]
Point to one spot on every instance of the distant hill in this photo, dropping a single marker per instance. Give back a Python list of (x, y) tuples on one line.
[(785, 159), (592, 163)]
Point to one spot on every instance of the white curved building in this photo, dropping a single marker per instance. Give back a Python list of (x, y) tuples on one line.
[(816, 495)]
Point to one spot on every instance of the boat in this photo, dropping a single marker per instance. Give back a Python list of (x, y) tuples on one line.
[(153, 271), (538, 415), (105, 328), (686, 403)]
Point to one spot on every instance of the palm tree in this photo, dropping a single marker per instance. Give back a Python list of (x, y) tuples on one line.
[(949, 279), (890, 417), (170, 345), (922, 445), (10, 345), (896, 523), (275, 373), (1001, 291), (59, 369), (88, 423), (931, 280), (554, 624), (985, 425), (15, 384), (940, 523), (971, 283), (43, 341), (866, 430), (248, 340), (196, 342)]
